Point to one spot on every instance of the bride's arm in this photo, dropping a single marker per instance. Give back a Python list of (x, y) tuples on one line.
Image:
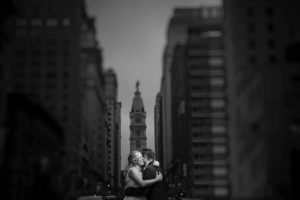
[(137, 176)]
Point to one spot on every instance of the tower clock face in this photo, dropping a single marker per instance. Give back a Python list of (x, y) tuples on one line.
[(137, 120)]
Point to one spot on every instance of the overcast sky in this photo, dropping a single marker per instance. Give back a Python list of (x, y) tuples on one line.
[(132, 36)]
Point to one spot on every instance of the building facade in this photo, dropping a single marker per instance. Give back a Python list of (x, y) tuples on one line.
[(113, 122), (48, 52), (44, 63), (176, 35), (158, 130), (199, 164), (138, 139), (117, 155), (263, 77), (93, 138), (32, 154), (8, 10)]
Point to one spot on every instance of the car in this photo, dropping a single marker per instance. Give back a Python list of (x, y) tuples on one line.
[(94, 197)]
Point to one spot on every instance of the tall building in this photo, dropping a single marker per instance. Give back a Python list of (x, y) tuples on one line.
[(199, 163), (117, 155), (176, 35), (93, 138), (43, 60), (158, 130), (138, 139), (113, 121), (262, 40), (7, 10), (32, 157)]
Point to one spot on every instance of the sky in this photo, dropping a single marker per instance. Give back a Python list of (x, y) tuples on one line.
[(132, 35)]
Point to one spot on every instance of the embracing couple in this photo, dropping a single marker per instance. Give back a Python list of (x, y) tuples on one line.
[(144, 179)]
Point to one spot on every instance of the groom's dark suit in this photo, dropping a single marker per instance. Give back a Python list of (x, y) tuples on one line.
[(157, 191)]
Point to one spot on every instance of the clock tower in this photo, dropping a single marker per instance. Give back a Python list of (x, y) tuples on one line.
[(137, 122)]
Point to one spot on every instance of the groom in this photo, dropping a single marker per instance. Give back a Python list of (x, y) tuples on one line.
[(158, 191)]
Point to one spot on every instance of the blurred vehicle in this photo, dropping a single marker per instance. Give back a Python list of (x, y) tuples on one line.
[(110, 197), (94, 197)]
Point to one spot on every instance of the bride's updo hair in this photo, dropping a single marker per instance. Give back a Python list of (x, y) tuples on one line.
[(133, 158)]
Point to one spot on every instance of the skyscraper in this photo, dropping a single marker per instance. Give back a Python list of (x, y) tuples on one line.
[(93, 138), (113, 122), (7, 10), (138, 139), (45, 59), (32, 165), (199, 163), (158, 130), (262, 40), (117, 155)]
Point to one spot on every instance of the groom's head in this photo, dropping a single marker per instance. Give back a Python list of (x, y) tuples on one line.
[(148, 155)]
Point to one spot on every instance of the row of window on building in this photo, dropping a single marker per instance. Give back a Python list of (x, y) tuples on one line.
[(39, 22)]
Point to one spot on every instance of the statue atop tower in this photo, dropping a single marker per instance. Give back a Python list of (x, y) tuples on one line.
[(138, 139), (137, 85)]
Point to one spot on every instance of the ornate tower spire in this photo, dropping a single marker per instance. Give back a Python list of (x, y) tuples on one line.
[(137, 122)]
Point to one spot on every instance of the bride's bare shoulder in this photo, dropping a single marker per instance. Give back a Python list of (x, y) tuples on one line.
[(133, 170)]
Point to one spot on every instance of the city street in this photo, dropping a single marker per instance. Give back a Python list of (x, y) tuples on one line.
[(163, 99)]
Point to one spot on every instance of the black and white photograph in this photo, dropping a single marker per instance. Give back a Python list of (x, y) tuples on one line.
[(149, 100)]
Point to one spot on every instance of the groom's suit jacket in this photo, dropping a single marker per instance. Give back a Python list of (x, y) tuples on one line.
[(158, 191)]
